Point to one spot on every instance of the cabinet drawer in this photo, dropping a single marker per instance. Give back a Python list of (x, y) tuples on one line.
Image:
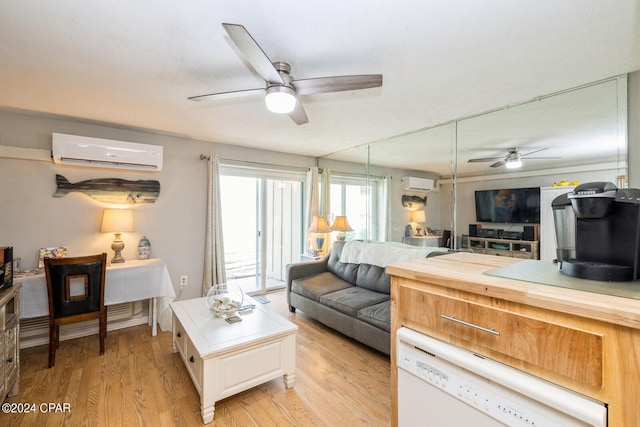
[(179, 336), (570, 352), (11, 355), (193, 361)]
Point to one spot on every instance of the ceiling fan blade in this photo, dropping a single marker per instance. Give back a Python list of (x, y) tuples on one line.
[(226, 95), (498, 164), (298, 114), (253, 53), (531, 152), (336, 83), (485, 159), (542, 158)]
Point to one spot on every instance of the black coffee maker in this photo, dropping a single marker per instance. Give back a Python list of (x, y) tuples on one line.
[(598, 232)]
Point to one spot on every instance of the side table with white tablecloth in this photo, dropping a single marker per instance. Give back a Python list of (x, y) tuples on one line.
[(133, 280)]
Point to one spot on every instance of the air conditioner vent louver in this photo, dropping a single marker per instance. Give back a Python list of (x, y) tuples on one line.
[(105, 153)]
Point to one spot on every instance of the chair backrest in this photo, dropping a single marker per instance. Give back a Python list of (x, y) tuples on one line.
[(75, 284), (445, 242)]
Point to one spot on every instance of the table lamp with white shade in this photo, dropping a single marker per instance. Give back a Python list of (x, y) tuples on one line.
[(319, 227), (418, 217), (341, 225), (117, 221)]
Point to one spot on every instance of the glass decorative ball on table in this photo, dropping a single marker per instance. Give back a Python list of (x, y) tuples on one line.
[(224, 300)]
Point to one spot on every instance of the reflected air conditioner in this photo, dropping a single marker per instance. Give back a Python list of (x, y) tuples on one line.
[(410, 183)]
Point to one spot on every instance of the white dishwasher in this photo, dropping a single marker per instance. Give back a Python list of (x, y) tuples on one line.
[(441, 385)]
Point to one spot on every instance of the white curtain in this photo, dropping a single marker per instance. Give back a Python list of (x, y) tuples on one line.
[(312, 204), (318, 195), (325, 191), (214, 270)]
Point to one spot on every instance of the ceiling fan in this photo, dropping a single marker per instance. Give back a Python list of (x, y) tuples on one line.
[(512, 160), (282, 90)]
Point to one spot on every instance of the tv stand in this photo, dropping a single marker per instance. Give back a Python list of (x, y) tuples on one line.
[(525, 249)]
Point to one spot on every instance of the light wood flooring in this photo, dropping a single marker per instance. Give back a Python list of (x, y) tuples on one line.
[(139, 381)]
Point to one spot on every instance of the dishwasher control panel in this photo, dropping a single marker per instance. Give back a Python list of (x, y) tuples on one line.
[(484, 385), (475, 395)]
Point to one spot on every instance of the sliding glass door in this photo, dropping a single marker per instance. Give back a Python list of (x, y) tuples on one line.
[(239, 200), (262, 229)]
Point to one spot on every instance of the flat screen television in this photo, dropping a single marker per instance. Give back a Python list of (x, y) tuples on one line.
[(510, 205)]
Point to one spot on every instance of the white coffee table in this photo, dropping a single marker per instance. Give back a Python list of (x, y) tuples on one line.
[(224, 359)]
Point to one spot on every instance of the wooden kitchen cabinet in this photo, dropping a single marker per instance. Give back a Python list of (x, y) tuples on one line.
[(584, 341)]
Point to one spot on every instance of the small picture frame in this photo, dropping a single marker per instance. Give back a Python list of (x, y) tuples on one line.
[(52, 252)]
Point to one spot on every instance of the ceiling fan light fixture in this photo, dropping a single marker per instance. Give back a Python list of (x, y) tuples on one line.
[(280, 99), (513, 163)]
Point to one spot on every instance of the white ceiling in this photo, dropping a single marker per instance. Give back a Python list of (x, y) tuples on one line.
[(133, 63)]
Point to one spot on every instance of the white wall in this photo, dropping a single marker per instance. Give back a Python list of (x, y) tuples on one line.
[(31, 218)]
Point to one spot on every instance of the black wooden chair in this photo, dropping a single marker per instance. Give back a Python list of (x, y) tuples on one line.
[(76, 293), (445, 241)]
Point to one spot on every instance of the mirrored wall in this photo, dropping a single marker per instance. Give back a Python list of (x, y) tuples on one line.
[(577, 135)]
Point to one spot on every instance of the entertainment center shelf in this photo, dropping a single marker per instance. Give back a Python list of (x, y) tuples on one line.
[(525, 249)]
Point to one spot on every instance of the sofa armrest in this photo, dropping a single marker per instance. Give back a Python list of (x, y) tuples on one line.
[(304, 269)]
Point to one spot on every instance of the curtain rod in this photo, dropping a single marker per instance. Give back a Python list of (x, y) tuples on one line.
[(337, 174), (247, 163)]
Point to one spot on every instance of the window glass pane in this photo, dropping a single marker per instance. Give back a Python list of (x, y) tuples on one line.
[(356, 208), (336, 197), (352, 197), (239, 221)]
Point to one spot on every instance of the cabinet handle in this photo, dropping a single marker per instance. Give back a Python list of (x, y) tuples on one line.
[(191, 359), (471, 325), (178, 335), (9, 360)]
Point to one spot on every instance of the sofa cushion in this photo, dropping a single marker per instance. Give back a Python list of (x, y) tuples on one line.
[(350, 300), (378, 315), (373, 278), (345, 271), (313, 287)]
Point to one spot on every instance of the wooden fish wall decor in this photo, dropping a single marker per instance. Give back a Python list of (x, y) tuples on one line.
[(413, 202), (111, 190)]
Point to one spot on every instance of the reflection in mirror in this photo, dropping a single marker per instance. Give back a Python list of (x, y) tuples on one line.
[(575, 128), (576, 135), (350, 194), (406, 155)]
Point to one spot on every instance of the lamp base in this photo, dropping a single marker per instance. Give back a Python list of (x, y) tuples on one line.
[(320, 243), (117, 246)]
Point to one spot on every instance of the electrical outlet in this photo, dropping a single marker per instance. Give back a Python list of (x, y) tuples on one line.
[(183, 281)]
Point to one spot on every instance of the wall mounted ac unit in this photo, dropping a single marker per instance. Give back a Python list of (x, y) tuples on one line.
[(105, 153), (410, 183)]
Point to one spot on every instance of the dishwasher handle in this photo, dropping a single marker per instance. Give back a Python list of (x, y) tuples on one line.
[(471, 325)]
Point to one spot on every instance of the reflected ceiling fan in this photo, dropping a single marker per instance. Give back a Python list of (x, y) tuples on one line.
[(512, 160), (282, 90)]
